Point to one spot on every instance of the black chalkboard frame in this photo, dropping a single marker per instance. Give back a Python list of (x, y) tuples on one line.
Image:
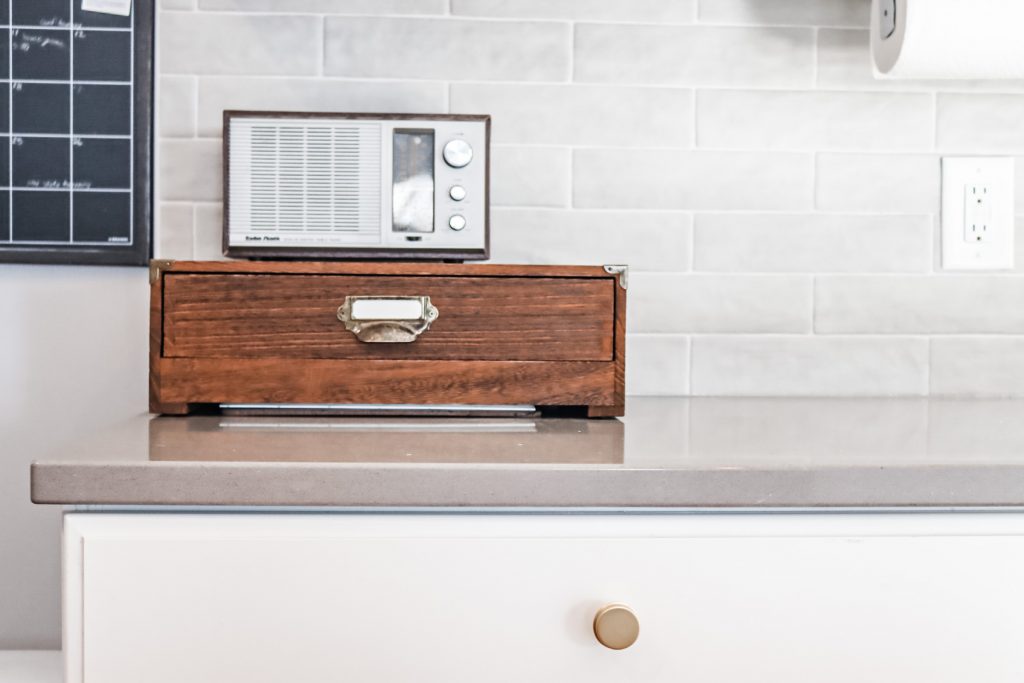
[(140, 251)]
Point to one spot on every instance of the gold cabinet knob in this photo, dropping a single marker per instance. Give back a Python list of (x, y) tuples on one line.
[(616, 626)]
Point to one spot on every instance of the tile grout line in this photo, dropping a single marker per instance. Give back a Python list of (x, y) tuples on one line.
[(692, 261), (695, 112), (928, 369), (746, 87), (572, 52), (689, 365), (814, 305), (322, 62), (193, 210), (815, 50)]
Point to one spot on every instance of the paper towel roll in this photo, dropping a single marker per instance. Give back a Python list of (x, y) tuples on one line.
[(948, 39)]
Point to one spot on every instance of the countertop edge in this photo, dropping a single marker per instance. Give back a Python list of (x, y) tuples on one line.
[(439, 486)]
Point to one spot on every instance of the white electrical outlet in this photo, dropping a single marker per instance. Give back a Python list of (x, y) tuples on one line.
[(977, 213)]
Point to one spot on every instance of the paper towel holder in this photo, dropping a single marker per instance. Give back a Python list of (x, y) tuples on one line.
[(887, 17)]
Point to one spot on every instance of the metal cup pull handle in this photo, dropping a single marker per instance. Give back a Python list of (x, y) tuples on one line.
[(387, 319)]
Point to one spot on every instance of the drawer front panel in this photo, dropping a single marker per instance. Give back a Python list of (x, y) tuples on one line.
[(296, 316), (504, 599)]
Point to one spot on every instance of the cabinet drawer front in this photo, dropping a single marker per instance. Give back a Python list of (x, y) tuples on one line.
[(296, 316), (370, 599)]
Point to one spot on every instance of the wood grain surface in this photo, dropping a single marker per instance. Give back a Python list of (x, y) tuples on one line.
[(285, 316), (275, 380), (235, 340)]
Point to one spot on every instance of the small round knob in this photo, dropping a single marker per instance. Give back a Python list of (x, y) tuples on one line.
[(616, 626), (457, 192), (457, 222), (457, 153)]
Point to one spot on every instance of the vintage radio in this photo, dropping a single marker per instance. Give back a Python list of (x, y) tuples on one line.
[(304, 185), (300, 337)]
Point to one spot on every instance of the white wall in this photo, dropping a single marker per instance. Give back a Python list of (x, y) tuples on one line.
[(778, 206), (73, 356)]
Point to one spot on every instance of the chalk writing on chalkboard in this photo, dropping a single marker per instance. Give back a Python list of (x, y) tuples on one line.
[(74, 144)]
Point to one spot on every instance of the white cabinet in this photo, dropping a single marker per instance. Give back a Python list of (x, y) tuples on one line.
[(303, 598)]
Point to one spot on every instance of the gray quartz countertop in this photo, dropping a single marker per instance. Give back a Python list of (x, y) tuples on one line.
[(666, 453)]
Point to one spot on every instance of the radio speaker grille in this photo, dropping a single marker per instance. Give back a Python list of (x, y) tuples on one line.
[(317, 178)]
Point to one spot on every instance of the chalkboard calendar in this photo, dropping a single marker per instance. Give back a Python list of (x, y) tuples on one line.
[(75, 145)]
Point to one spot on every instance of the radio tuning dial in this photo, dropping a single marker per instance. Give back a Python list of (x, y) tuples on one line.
[(457, 153)]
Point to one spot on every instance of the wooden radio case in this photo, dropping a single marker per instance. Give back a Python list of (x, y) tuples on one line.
[(287, 334)]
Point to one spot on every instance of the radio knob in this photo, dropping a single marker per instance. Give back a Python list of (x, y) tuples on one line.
[(457, 222), (457, 192), (457, 153)]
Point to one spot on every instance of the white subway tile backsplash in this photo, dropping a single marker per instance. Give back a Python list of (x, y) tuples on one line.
[(314, 94), (199, 43), (694, 55), (209, 232), (375, 47), (700, 180), (176, 100), (765, 119), (659, 365), (654, 11), (981, 123), (174, 230), (782, 431), (776, 203), (329, 6), (581, 114), (977, 366), (530, 176), (952, 304), (643, 240), (810, 242), (190, 170), (665, 302), (808, 366), (787, 12), (954, 428), (878, 183)]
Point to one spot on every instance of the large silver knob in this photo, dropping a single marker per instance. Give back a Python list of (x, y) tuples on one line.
[(457, 153)]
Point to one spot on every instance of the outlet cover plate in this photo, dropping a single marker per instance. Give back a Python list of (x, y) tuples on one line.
[(965, 247)]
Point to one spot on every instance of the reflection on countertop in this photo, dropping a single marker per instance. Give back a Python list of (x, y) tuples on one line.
[(386, 440)]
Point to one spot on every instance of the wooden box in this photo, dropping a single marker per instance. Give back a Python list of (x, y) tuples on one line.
[(291, 333)]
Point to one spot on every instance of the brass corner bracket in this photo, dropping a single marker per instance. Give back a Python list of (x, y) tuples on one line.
[(156, 266)]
